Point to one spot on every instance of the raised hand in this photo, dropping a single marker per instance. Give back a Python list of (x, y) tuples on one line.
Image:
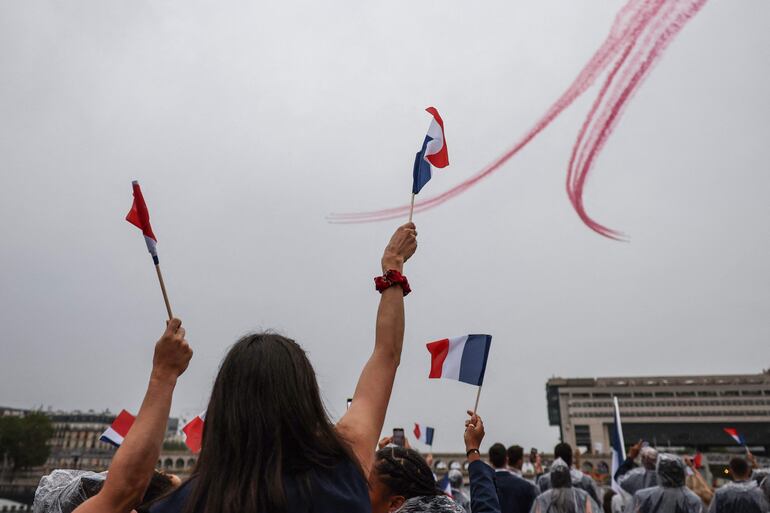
[(474, 432), (172, 352), (402, 245)]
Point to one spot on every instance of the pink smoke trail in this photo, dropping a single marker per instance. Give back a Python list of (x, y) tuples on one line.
[(638, 37)]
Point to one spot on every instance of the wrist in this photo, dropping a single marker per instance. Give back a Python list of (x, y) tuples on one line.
[(470, 451), (392, 262), (163, 377)]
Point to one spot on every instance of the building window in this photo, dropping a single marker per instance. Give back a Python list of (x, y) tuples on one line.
[(583, 435)]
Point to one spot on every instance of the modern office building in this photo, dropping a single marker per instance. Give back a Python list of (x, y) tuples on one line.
[(677, 411)]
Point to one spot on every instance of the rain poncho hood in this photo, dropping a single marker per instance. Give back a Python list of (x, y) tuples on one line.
[(63, 490), (563, 497), (670, 496), (577, 478), (739, 497), (428, 504)]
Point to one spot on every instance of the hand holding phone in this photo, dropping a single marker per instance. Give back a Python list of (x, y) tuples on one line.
[(398, 437)]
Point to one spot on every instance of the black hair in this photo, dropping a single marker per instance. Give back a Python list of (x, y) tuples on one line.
[(563, 451), (160, 485), (265, 421), (497, 455), (515, 453), (404, 472), (607, 501), (739, 468)]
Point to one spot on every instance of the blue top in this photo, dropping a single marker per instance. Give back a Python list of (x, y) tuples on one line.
[(342, 489), (516, 493)]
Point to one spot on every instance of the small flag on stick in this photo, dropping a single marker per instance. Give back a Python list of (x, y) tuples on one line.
[(424, 434), (433, 152), (461, 358), (139, 216), (735, 436), (118, 429), (193, 431)]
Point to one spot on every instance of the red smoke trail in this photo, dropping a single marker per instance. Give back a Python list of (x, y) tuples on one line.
[(631, 57)]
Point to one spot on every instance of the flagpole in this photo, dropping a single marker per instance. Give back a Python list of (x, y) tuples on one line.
[(476, 406), (411, 208), (163, 289)]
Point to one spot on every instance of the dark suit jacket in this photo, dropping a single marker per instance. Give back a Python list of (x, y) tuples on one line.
[(516, 493), (483, 493)]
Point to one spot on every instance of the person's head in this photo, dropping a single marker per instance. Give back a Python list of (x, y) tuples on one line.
[(649, 457), (670, 471), (740, 469), (399, 474), (265, 419), (607, 501), (160, 484), (515, 454), (560, 474), (455, 478), (497, 455), (563, 451)]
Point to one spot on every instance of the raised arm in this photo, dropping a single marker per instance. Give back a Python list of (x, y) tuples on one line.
[(362, 424), (483, 489), (132, 467)]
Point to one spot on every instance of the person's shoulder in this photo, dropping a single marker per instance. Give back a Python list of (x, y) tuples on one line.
[(175, 501)]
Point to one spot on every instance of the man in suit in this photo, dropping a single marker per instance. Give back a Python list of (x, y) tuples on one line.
[(516, 494)]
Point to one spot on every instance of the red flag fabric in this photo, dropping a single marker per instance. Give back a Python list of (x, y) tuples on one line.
[(194, 433), (139, 216)]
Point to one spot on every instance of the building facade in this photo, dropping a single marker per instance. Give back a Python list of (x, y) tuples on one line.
[(675, 411)]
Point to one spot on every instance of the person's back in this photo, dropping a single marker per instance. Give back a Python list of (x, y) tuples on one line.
[(458, 493), (562, 496), (671, 495), (641, 477), (742, 495), (581, 481), (516, 495)]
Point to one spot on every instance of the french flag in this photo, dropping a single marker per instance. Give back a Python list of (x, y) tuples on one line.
[(433, 152), (460, 358), (618, 446), (735, 436), (139, 216), (445, 486), (424, 435), (118, 429), (193, 431)]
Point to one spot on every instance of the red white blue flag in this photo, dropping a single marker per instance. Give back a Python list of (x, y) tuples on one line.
[(423, 434), (460, 358), (139, 216), (118, 429), (433, 152), (193, 431), (735, 436)]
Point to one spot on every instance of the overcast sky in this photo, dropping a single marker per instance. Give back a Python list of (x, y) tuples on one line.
[(246, 124)]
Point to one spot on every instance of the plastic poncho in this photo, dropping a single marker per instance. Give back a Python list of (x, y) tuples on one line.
[(434, 504), (63, 490), (458, 494), (671, 495), (739, 497), (579, 480), (562, 496), (638, 479)]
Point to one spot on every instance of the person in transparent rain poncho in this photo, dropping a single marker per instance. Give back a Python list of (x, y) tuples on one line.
[(671, 495), (743, 495), (561, 496), (641, 477), (63, 490)]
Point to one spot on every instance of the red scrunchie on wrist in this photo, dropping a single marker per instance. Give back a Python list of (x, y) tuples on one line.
[(391, 278)]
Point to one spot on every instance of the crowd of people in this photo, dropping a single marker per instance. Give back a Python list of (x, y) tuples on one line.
[(269, 446)]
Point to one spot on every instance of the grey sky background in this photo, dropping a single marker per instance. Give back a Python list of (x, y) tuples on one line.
[(246, 123)]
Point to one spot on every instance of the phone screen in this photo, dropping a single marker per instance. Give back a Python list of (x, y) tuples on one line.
[(398, 436), (350, 401)]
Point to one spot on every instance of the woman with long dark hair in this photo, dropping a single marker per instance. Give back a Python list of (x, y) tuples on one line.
[(268, 444)]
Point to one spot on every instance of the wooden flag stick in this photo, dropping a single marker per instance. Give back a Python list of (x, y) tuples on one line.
[(476, 406), (411, 208), (163, 289)]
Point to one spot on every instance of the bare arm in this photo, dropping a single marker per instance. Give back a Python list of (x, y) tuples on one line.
[(131, 468), (362, 424)]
